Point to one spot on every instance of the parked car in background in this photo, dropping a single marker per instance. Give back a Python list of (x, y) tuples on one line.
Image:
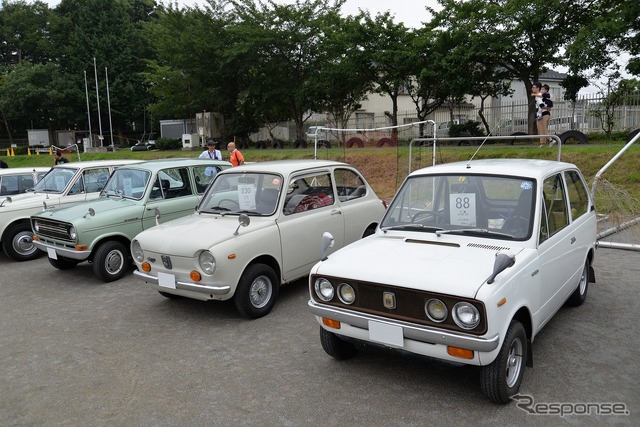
[(257, 227), (100, 230), (19, 180), (66, 183), (144, 146), (470, 261)]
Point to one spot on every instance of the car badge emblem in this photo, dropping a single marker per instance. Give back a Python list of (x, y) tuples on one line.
[(389, 300), (166, 261)]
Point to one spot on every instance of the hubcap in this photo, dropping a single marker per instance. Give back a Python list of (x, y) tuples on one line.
[(114, 262), (584, 280), (514, 362), (23, 243), (260, 292)]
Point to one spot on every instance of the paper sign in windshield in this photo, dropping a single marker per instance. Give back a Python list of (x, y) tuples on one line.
[(462, 209), (247, 197)]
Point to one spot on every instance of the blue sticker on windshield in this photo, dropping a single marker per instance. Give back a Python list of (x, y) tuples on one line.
[(526, 185)]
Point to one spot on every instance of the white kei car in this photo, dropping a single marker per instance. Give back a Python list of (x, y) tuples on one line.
[(470, 261), (257, 227)]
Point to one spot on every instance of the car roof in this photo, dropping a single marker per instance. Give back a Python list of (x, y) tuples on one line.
[(92, 163), (534, 168), (159, 164), (15, 171), (285, 167)]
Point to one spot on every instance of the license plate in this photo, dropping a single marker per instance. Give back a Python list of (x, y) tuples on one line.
[(52, 253), (166, 280), (386, 334)]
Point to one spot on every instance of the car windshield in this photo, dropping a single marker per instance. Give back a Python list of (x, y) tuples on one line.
[(56, 180), (236, 193), (479, 205), (128, 183)]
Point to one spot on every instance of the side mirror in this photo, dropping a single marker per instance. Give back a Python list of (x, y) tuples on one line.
[(326, 242), (503, 261), (156, 212), (7, 200), (243, 220), (90, 212)]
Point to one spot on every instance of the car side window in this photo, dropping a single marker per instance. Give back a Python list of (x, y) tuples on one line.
[(173, 182), (95, 179), (578, 194), (308, 193), (349, 184), (554, 209), (9, 185)]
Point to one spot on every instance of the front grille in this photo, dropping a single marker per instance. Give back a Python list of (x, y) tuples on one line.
[(53, 229)]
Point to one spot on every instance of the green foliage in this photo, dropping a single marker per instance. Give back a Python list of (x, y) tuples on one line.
[(168, 143), (470, 128)]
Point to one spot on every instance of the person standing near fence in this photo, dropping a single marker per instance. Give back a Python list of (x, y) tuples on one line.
[(235, 156), (542, 114), (213, 154)]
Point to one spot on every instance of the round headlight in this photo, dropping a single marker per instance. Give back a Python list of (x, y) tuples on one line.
[(346, 293), (466, 315), (72, 233), (136, 251), (324, 289), (436, 310), (207, 262), (36, 226)]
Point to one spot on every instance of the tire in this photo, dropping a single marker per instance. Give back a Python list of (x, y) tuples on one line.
[(336, 347), (168, 295), (385, 141), (257, 291), (261, 145), (324, 144), (570, 135), (111, 261), (513, 141), (300, 143), (17, 242), (63, 263), (502, 378), (580, 294), (277, 144), (355, 141), (632, 134)]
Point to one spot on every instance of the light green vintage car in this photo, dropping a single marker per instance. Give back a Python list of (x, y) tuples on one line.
[(135, 198)]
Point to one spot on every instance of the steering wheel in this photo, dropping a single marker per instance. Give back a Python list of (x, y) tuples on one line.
[(516, 225), (438, 217), (229, 204)]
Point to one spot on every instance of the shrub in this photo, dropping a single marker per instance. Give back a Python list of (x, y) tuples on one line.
[(470, 128), (168, 143)]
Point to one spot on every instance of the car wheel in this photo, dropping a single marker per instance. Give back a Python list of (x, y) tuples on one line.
[(110, 261), (168, 295), (580, 294), (63, 263), (572, 136), (18, 243), (502, 378), (336, 347), (257, 291)]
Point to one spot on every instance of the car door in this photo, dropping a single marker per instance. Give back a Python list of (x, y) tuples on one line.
[(79, 191), (356, 212), (310, 209), (556, 249), (172, 193)]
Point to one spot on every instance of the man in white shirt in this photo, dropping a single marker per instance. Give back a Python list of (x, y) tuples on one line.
[(213, 154)]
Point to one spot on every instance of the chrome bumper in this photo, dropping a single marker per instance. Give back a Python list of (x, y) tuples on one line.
[(410, 331), (186, 286), (63, 251)]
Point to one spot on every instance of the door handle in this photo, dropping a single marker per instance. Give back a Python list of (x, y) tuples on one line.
[(573, 240), (336, 212)]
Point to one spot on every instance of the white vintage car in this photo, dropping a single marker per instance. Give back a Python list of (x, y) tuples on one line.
[(64, 184), (470, 261), (257, 226), (20, 180)]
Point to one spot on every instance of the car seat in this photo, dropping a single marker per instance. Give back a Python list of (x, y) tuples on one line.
[(266, 200)]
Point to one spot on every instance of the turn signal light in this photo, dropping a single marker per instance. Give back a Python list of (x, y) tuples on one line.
[(331, 323), (81, 248), (146, 267), (34, 237), (462, 353), (195, 276)]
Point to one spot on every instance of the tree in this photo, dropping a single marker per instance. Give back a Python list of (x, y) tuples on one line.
[(572, 85), (24, 32)]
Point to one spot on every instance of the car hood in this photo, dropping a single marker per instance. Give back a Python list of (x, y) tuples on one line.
[(203, 230), (428, 264), (29, 200), (101, 206)]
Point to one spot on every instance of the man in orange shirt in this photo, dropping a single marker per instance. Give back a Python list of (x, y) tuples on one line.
[(235, 157)]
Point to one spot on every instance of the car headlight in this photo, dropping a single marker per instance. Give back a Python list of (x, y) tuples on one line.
[(207, 262), (436, 310), (136, 251), (36, 226), (72, 232), (466, 315), (346, 293), (324, 289)]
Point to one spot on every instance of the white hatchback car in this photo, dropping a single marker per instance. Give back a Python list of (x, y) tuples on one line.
[(470, 261), (19, 180), (257, 226)]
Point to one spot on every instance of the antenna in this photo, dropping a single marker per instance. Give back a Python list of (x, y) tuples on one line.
[(483, 141)]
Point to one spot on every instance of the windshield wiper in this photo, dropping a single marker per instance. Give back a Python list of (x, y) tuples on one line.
[(248, 212), (412, 227), (474, 230)]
